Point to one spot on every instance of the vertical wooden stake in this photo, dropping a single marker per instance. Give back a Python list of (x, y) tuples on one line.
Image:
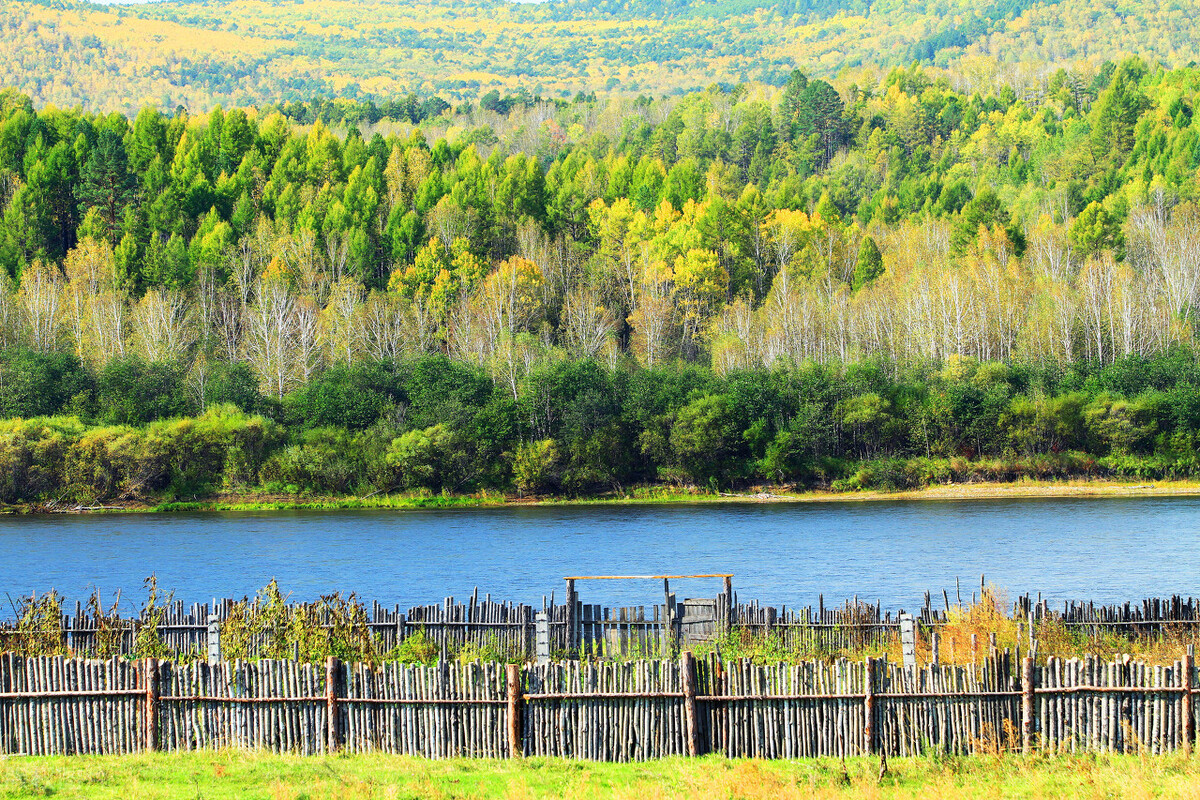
[(869, 708), (728, 590), (331, 705), (516, 740), (687, 666), (1027, 705), (668, 630), (572, 641), (151, 704), (1189, 717)]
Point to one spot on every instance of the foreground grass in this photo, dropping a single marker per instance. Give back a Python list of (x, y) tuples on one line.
[(227, 774)]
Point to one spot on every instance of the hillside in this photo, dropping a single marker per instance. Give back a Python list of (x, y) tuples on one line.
[(241, 52)]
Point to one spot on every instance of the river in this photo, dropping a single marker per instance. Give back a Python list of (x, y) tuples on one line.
[(1104, 549)]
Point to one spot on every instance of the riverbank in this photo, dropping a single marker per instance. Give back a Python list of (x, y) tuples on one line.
[(230, 774), (265, 501)]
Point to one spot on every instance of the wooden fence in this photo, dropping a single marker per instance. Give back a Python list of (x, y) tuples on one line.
[(596, 710), (1151, 617), (576, 628)]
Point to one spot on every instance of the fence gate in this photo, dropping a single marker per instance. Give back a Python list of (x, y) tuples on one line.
[(698, 621)]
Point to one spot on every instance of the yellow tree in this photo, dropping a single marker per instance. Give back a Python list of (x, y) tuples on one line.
[(96, 305), (701, 284), (654, 315)]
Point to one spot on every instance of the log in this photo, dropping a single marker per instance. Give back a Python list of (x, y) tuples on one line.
[(1189, 719), (572, 621), (151, 704), (516, 747), (869, 708), (1027, 691), (331, 705), (687, 667)]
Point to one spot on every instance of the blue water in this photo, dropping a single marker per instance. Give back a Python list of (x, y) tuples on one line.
[(1110, 549)]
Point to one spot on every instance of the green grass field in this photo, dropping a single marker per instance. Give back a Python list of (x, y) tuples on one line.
[(230, 774)]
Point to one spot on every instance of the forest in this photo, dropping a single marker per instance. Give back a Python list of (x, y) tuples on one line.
[(823, 285), (203, 53)]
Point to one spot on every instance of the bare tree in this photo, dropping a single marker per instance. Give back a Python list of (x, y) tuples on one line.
[(40, 299), (587, 325), (270, 339), (165, 325)]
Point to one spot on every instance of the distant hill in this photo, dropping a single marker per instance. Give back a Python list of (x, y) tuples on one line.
[(238, 52)]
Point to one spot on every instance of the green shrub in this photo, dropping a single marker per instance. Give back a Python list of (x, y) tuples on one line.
[(33, 456), (324, 460), (535, 467), (432, 458)]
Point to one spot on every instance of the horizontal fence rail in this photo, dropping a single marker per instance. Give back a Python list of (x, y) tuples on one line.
[(602, 711), (572, 627)]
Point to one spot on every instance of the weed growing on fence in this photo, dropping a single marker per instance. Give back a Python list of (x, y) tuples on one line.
[(417, 648), (269, 626), (110, 630), (148, 641), (966, 636), (490, 650), (38, 631)]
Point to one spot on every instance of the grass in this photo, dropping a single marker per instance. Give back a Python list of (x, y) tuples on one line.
[(647, 495), (228, 774)]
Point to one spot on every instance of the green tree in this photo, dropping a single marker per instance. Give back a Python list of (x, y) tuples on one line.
[(706, 439), (105, 182), (869, 265)]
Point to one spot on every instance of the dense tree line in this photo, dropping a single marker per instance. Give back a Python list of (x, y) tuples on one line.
[(579, 427), (908, 221), (841, 254)]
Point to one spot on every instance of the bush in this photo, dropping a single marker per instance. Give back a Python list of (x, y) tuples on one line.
[(131, 391), (233, 384), (432, 458), (324, 460), (223, 446), (535, 467), (346, 397), (706, 440), (41, 384), (33, 455)]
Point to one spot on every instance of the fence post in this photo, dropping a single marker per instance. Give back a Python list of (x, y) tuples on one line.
[(332, 740), (908, 640), (869, 707), (152, 694), (1027, 705), (214, 639), (1189, 717), (687, 668), (571, 643), (668, 626), (542, 639), (516, 741), (728, 591)]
